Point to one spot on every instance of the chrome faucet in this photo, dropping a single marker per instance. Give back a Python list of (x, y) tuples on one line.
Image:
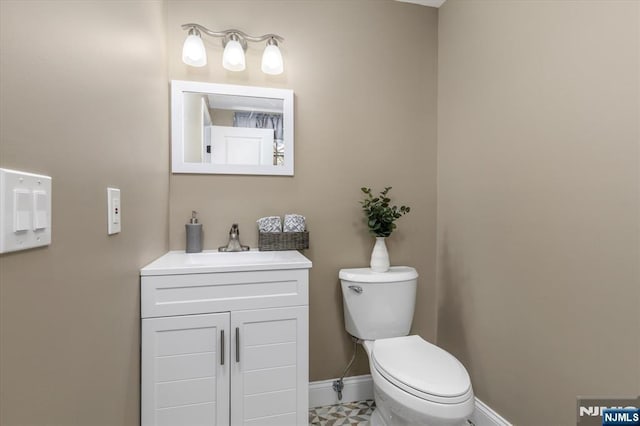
[(234, 240)]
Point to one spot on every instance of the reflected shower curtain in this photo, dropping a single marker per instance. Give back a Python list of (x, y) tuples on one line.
[(263, 120)]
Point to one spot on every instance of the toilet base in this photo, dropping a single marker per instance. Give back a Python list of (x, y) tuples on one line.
[(396, 407), (376, 419), (389, 412)]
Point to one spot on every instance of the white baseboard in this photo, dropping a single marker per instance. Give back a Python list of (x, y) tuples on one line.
[(359, 388), (356, 388)]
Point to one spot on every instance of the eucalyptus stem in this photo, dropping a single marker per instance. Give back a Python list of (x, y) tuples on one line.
[(379, 213)]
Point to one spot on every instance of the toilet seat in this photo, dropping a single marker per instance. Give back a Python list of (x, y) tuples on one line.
[(422, 369)]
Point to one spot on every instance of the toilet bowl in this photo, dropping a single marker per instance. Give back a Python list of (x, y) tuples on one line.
[(415, 382)]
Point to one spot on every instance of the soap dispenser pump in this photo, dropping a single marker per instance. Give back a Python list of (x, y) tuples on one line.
[(194, 234)]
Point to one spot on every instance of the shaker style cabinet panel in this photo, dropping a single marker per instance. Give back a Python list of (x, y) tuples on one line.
[(185, 370), (224, 343), (269, 383), (226, 291)]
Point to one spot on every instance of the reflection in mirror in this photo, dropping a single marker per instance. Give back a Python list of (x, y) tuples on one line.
[(225, 129), (231, 129)]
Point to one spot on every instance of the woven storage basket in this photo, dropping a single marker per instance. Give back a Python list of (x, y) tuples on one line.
[(272, 241)]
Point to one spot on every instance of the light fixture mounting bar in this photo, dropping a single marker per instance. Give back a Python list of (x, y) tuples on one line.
[(227, 33)]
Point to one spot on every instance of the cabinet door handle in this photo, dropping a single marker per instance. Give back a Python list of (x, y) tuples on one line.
[(221, 347), (237, 344)]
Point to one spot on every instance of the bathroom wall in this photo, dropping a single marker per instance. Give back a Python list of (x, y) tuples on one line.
[(538, 201), (83, 98), (364, 77)]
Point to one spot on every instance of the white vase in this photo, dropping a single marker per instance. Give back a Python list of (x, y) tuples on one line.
[(380, 256)]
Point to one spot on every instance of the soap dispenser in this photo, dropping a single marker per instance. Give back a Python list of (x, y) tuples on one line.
[(194, 234)]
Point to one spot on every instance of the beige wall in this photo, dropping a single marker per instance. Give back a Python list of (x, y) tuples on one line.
[(364, 77), (222, 117), (83, 98), (538, 206), (538, 180), (193, 127), (538, 186)]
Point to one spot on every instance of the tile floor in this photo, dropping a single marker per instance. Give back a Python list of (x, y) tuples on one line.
[(349, 413)]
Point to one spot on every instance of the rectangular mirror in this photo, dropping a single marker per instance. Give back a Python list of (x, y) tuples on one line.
[(229, 129)]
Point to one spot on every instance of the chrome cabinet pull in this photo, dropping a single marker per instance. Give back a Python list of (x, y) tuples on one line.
[(221, 347), (237, 344), (356, 288)]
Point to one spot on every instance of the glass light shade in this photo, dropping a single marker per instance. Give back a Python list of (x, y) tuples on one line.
[(233, 56), (272, 60), (193, 52)]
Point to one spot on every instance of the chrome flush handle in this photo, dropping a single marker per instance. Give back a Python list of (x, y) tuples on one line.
[(356, 288)]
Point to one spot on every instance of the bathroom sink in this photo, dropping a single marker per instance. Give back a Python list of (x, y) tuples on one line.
[(179, 262)]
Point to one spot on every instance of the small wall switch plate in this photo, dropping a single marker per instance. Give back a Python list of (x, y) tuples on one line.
[(25, 210), (113, 211)]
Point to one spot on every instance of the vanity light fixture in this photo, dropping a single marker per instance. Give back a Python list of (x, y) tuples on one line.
[(235, 44), (193, 52)]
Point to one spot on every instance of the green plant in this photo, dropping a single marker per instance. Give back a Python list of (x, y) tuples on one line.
[(380, 215)]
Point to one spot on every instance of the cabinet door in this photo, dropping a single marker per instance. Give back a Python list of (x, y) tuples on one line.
[(270, 367), (185, 370)]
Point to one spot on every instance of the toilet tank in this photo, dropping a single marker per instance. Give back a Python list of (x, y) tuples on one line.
[(378, 305)]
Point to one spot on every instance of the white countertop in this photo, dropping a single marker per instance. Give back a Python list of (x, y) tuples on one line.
[(179, 262)]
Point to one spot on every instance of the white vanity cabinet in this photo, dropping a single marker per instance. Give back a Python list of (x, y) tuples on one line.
[(185, 373), (225, 339)]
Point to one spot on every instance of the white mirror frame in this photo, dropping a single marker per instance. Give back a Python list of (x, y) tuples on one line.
[(178, 165)]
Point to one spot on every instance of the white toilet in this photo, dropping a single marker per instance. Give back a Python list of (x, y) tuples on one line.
[(415, 382)]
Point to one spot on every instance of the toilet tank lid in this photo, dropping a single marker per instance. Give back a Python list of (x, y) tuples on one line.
[(366, 275)]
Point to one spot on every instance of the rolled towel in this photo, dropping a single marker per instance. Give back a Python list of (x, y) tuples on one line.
[(270, 224), (294, 223)]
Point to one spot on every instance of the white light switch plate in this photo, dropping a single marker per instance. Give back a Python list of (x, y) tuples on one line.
[(25, 210), (113, 211)]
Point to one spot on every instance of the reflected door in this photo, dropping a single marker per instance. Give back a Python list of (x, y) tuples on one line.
[(241, 146)]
